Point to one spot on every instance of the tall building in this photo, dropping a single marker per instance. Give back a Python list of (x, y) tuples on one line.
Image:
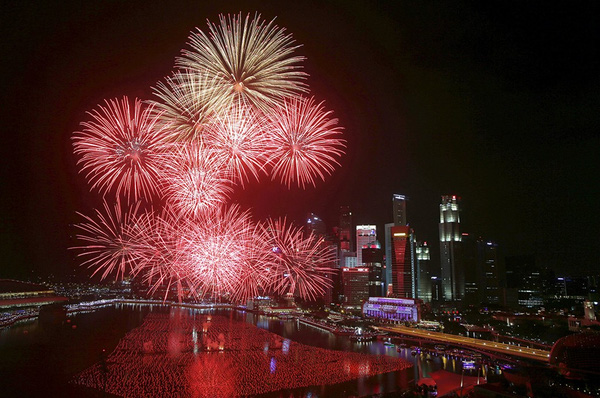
[(355, 286), (388, 256), (373, 258), (403, 267), (400, 219), (424, 287), (365, 234), (452, 266), (491, 272), (345, 229), (399, 209), (315, 225)]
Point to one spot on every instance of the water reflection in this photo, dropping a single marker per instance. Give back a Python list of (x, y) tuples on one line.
[(57, 355)]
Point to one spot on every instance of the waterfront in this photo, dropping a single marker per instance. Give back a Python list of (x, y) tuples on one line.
[(44, 359)]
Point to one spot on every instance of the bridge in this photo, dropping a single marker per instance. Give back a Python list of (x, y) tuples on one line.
[(484, 345)]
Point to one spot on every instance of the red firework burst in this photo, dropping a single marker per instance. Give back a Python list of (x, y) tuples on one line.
[(304, 143), (120, 149), (220, 249), (110, 240), (297, 264), (239, 137), (160, 256), (196, 179)]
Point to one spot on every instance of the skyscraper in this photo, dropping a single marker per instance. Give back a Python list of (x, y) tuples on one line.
[(345, 229), (388, 255), (424, 287), (490, 272), (403, 270), (365, 234), (452, 267), (399, 209), (373, 258)]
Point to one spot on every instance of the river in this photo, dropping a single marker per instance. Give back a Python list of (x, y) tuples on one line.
[(40, 360)]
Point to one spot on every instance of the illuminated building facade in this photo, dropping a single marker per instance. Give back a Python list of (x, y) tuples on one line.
[(452, 266), (392, 309), (355, 286), (365, 234), (424, 288), (373, 258), (403, 266)]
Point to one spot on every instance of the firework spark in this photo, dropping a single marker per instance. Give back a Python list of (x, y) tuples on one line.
[(120, 149), (249, 59), (304, 142)]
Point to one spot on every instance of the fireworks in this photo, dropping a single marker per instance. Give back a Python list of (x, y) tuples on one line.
[(248, 59), (231, 114), (239, 137), (196, 179), (304, 142), (110, 240), (120, 149), (297, 264)]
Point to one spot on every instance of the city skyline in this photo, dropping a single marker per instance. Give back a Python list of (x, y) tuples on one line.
[(493, 106)]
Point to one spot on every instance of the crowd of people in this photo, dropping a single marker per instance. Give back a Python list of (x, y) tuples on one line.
[(197, 355)]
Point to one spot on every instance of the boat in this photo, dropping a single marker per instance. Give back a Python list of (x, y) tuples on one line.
[(387, 343)]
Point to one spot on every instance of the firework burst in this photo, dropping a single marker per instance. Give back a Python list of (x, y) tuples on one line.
[(248, 59), (110, 240), (221, 252), (297, 264), (120, 149), (196, 179), (238, 137), (304, 142), (185, 105)]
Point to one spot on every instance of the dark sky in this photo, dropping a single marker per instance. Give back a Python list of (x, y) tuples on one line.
[(497, 103)]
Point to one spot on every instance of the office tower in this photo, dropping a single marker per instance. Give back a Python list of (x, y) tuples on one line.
[(452, 267), (355, 286), (315, 225), (469, 258), (388, 256), (399, 209), (365, 234), (424, 287), (490, 272), (345, 229), (373, 259), (403, 270)]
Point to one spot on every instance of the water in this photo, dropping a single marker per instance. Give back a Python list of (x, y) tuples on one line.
[(38, 360)]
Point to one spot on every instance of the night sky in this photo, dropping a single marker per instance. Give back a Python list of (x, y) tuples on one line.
[(497, 103)]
